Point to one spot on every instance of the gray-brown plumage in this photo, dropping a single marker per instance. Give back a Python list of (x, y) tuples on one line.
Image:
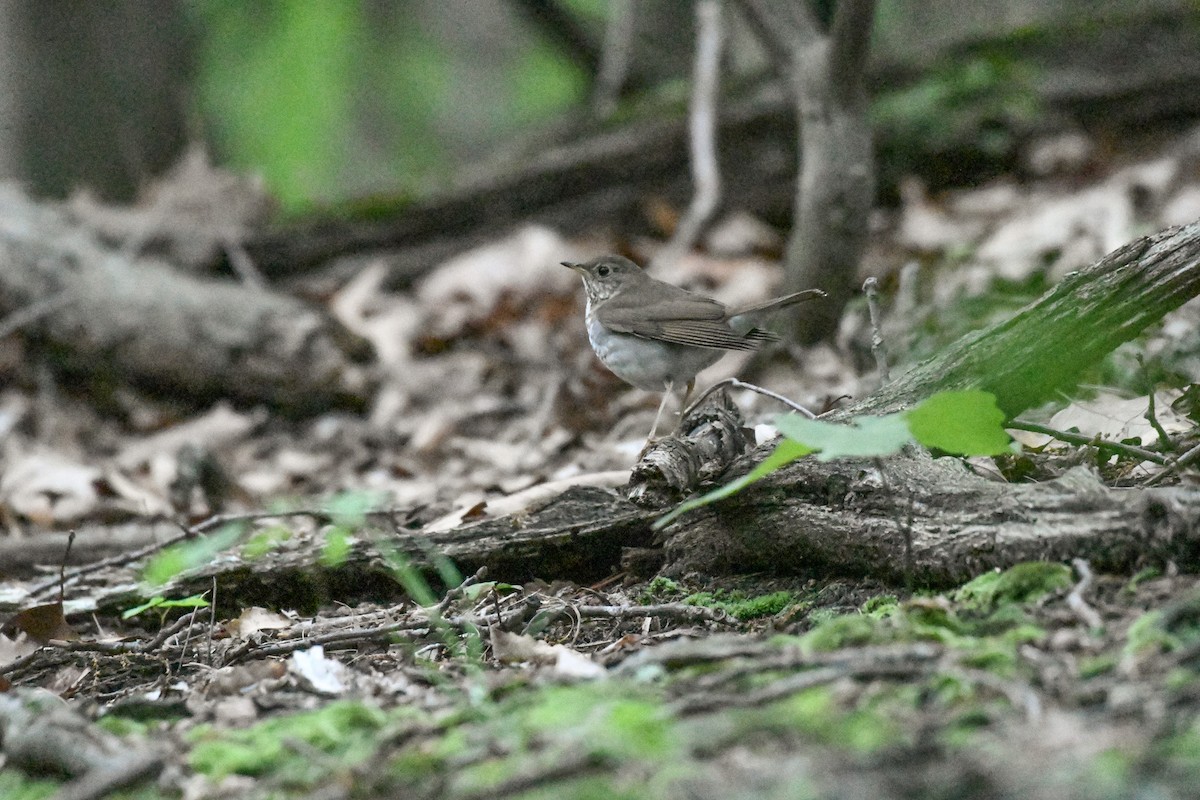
[(657, 336)]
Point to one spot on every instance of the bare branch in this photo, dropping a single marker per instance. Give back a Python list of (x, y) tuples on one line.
[(850, 41), (614, 60), (783, 26), (702, 129)]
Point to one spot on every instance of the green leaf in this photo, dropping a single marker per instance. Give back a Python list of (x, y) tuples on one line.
[(191, 601), (337, 547), (349, 509), (785, 452), (864, 436), (158, 601), (191, 554), (966, 423), (153, 602), (477, 590)]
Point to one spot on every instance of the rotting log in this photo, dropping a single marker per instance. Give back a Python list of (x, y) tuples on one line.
[(931, 523), (1047, 345), (109, 312)]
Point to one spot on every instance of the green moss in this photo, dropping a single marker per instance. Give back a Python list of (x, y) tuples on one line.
[(124, 726), (1145, 574), (1180, 753), (739, 606), (961, 731), (881, 606), (413, 767), (1180, 678), (1022, 583), (344, 730), (1109, 774), (594, 787), (264, 541), (609, 722), (1095, 666), (845, 631), (1147, 632), (661, 588), (15, 785), (815, 711)]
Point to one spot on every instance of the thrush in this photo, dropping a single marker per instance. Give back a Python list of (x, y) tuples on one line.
[(657, 336)]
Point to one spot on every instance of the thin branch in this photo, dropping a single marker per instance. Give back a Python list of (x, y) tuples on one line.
[(243, 265), (871, 288), (614, 60), (702, 129), (736, 384), (1164, 441), (1185, 460), (782, 27), (1088, 441), (561, 27), (850, 41), (33, 312), (1075, 600)]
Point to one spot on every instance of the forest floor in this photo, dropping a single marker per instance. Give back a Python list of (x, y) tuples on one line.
[(375, 679)]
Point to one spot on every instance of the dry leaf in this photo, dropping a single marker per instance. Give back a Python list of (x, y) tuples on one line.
[(41, 623)]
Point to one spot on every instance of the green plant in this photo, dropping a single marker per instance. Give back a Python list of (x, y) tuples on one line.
[(163, 605)]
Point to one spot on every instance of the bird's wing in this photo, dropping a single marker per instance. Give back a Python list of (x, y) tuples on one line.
[(672, 303), (716, 335), (680, 318)]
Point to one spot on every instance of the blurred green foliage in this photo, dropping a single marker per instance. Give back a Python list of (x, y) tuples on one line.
[(343, 98)]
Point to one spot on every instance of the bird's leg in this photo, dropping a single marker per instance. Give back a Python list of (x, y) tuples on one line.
[(683, 405), (667, 390)]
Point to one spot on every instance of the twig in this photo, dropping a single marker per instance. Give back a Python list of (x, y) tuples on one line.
[(1020, 694), (33, 312), (775, 690), (242, 264), (212, 620), (1129, 450), (1185, 460), (188, 638), (1164, 441), (737, 384), (1075, 601), (166, 633), (614, 60), (871, 288), (457, 591), (666, 610), (702, 127)]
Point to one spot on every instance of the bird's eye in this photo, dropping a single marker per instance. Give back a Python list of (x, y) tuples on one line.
[(603, 270)]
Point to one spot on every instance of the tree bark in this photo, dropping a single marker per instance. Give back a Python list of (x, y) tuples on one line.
[(931, 523), (142, 321)]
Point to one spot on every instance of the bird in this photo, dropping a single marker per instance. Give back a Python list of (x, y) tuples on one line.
[(657, 336)]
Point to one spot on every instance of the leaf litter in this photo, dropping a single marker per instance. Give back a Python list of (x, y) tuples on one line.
[(490, 395)]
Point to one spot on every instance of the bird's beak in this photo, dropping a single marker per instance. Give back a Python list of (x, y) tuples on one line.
[(577, 267)]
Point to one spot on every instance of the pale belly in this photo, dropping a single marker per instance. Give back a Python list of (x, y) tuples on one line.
[(646, 363)]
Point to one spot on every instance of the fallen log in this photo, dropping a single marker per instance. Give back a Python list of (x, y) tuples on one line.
[(112, 313)]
